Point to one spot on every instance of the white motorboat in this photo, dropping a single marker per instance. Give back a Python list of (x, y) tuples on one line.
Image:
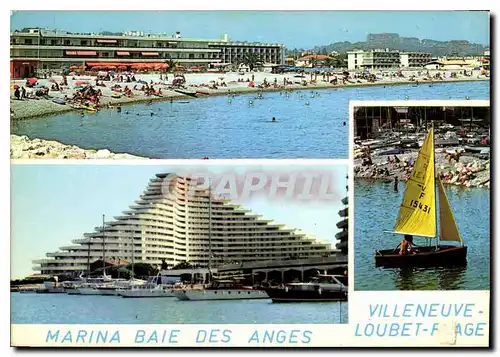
[(220, 294), (148, 291)]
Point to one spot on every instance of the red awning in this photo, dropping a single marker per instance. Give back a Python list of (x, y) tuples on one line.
[(123, 53), (86, 53), (107, 41), (71, 53), (150, 53)]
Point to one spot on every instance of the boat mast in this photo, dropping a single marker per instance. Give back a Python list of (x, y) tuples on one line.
[(435, 173), (133, 248), (209, 231), (103, 249)]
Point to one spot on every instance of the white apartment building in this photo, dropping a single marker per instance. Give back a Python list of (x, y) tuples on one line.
[(32, 49), (385, 59), (176, 227)]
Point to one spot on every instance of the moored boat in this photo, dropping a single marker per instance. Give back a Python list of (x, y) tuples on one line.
[(417, 217), (186, 92), (320, 289), (222, 289)]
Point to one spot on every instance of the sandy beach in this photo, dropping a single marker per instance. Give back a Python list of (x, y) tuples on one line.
[(29, 108)]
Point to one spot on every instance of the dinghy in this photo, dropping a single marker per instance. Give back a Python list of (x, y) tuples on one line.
[(417, 217)]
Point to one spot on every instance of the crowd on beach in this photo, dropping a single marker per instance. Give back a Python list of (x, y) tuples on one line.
[(453, 168)]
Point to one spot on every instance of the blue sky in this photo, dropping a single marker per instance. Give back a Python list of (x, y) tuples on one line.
[(54, 204), (293, 28)]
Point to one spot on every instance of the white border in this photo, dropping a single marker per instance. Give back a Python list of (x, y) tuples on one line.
[(216, 4)]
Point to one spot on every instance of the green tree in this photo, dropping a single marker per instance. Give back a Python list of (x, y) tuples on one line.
[(252, 60), (171, 65), (341, 61), (183, 265), (143, 270), (329, 62), (164, 265)]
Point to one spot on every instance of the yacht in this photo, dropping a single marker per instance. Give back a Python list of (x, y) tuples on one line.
[(222, 289), (321, 288)]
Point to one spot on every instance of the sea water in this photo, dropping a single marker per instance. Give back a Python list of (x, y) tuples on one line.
[(222, 127), (89, 309), (376, 207)]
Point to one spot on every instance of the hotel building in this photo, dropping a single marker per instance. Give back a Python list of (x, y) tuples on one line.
[(32, 49), (168, 224), (385, 59)]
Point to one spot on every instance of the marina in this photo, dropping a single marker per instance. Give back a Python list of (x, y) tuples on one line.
[(66, 309)]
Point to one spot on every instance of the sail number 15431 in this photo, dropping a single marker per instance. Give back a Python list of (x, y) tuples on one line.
[(419, 205)]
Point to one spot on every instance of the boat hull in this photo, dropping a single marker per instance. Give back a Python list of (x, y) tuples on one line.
[(147, 293), (282, 295), (446, 255), (89, 291), (222, 294)]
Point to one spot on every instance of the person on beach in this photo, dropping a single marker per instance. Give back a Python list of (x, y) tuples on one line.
[(23, 93), (396, 184), (16, 93)]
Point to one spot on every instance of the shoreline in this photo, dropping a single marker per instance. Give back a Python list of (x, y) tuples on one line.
[(23, 109), (22, 147), (469, 171)]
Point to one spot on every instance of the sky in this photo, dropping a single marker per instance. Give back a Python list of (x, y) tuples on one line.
[(295, 29), (54, 204)]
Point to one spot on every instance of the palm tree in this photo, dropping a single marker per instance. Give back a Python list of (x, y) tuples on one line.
[(171, 65), (252, 59)]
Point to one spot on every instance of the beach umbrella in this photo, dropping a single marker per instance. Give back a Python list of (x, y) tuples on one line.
[(52, 80), (79, 83)]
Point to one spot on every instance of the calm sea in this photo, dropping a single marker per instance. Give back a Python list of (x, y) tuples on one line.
[(74, 309), (376, 207), (217, 128)]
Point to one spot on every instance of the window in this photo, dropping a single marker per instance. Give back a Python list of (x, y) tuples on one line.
[(83, 42), (53, 42), (191, 56), (28, 41), (66, 42)]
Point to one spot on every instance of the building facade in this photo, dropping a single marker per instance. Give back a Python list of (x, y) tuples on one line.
[(177, 227), (385, 59), (415, 59), (32, 49)]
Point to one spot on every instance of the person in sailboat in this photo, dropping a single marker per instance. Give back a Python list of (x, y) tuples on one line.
[(406, 245)]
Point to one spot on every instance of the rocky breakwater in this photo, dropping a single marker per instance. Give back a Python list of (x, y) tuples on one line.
[(468, 171), (22, 147)]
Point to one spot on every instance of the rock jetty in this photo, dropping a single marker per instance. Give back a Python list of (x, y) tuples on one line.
[(22, 147)]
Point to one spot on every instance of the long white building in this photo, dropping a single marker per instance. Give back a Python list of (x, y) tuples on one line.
[(174, 226), (43, 49)]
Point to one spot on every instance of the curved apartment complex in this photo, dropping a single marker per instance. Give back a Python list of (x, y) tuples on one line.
[(169, 224)]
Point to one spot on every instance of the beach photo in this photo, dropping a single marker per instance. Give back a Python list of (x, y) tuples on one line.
[(422, 195), (227, 84), (187, 243)]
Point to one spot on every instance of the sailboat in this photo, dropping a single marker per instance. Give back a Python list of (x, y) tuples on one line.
[(417, 217)]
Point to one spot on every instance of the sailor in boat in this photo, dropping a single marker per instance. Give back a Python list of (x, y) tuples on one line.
[(274, 119), (406, 245)]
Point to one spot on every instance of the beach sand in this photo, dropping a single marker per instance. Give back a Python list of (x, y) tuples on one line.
[(23, 109)]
